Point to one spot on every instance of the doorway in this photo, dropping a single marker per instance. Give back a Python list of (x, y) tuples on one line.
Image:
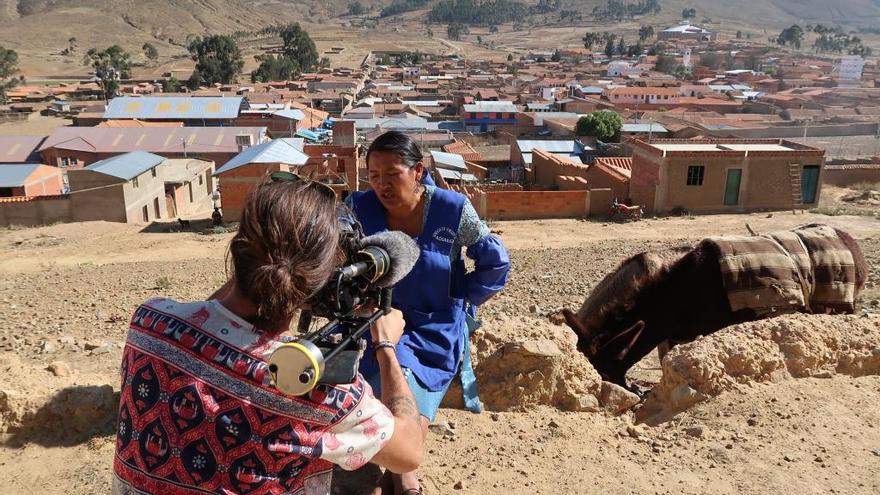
[(731, 189)]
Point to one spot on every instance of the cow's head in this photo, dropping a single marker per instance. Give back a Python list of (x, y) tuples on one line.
[(611, 321), (608, 349)]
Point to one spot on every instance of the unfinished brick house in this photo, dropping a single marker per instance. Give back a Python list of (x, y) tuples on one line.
[(715, 175)]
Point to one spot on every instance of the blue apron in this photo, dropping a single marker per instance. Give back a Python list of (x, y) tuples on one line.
[(431, 297)]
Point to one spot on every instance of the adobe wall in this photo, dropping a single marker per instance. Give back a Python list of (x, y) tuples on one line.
[(527, 205), (36, 212), (45, 181), (599, 178), (547, 168), (237, 184), (568, 183), (849, 176)]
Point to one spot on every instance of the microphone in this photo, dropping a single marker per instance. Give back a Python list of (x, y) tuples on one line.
[(384, 258)]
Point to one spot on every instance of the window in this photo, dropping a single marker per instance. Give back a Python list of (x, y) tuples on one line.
[(65, 162), (695, 175), (145, 211), (74, 162), (153, 171), (156, 207), (201, 180), (134, 182)]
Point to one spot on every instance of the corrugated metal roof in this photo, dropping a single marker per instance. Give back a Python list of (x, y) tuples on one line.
[(153, 139), (453, 175), (126, 166), (448, 160), (16, 174), (292, 114), (527, 146), (491, 106), (173, 107), (20, 149), (284, 150), (649, 127)]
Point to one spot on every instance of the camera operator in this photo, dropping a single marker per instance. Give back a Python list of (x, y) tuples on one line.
[(198, 412)]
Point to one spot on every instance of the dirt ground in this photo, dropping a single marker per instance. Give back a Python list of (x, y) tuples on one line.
[(67, 291)]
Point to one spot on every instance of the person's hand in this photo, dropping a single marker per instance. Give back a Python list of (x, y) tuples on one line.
[(388, 328)]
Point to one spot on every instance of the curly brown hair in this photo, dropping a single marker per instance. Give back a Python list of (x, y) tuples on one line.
[(286, 247)]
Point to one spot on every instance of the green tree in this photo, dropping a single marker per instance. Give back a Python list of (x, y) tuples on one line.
[(324, 63), (172, 85), (739, 35), (621, 47), (609, 47), (217, 58), (602, 125), (298, 45), (8, 67), (111, 65), (665, 64), (689, 13), (556, 57), (645, 32), (150, 52), (275, 68), (792, 35), (357, 8), (590, 39), (455, 31)]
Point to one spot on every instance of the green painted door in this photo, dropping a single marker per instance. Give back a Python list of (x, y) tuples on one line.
[(731, 190), (809, 183)]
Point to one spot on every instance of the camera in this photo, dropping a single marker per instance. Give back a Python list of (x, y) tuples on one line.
[(356, 295)]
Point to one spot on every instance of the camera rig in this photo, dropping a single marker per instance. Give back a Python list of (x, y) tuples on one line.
[(352, 300)]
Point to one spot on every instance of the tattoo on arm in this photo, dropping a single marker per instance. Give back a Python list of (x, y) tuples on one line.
[(401, 405)]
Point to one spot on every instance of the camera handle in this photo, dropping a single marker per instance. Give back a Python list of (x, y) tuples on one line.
[(297, 367)]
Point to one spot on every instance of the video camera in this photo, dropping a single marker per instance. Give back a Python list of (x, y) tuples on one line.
[(356, 295)]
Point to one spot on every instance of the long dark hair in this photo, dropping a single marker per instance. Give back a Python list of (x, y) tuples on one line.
[(286, 247), (398, 143)]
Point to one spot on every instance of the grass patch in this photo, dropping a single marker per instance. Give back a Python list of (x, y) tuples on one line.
[(836, 211), (164, 283), (866, 186)]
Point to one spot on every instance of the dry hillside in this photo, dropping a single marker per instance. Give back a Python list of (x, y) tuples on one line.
[(40, 29)]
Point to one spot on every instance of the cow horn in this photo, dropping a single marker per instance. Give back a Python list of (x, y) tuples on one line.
[(573, 322), (637, 328)]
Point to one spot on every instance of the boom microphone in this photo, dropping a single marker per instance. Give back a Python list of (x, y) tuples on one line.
[(384, 258)]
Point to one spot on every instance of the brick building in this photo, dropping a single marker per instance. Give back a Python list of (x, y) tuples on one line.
[(725, 175)]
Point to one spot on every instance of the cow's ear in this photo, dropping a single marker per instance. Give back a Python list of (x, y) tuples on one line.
[(574, 323)]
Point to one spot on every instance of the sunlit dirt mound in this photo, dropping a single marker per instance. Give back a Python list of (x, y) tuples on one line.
[(767, 350)]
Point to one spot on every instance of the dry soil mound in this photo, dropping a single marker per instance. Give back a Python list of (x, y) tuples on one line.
[(525, 361), (766, 350)]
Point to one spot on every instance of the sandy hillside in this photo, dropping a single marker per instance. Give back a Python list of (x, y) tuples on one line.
[(66, 292)]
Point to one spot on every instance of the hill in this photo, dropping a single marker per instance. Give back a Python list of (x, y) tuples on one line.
[(41, 29)]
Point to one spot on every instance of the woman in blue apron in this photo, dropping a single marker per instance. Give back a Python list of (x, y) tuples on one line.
[(438, 296)]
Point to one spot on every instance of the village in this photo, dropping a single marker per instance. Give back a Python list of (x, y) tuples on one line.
[(118, 188), (561, 134)]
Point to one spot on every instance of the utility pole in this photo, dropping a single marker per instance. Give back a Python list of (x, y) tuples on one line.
[(183, 142)]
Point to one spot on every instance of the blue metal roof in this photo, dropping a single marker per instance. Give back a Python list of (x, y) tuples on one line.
[(16, 174), (127, 166), (174, 107), (284, 150)]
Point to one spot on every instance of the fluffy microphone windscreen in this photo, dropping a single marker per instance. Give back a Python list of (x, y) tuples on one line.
[(402, 251)]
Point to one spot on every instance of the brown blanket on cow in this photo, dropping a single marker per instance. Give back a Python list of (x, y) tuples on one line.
[(805, 269)]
